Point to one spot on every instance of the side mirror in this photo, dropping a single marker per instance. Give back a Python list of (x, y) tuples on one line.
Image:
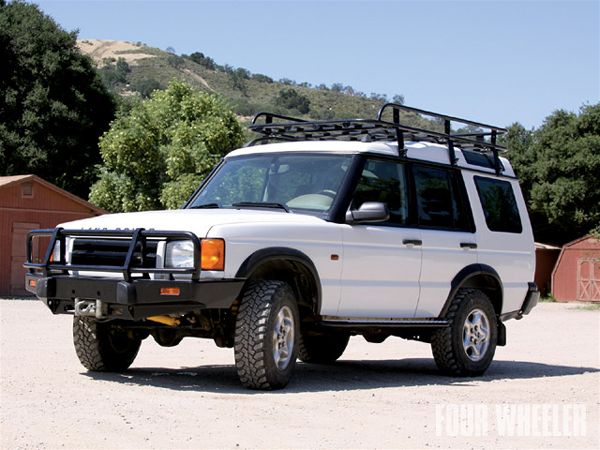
[(369, 212)]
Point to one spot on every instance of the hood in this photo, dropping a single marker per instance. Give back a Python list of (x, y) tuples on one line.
[(198, 221)]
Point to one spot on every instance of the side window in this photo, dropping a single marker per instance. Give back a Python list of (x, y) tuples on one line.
[(383, 181), (438, 199), (499, 205)]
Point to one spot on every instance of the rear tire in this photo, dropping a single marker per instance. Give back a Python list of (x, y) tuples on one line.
[(266, 335), (467, 346), (324, 348), (103, 347)]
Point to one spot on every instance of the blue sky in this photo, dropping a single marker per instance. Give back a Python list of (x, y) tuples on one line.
[(491, 61)]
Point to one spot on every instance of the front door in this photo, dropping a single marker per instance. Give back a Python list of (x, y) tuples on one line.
[(381, 261)]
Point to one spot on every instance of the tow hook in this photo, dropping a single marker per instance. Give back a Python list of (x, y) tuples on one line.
[(91, 308)]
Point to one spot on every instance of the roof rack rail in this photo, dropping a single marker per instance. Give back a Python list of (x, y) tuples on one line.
[(479, 136)]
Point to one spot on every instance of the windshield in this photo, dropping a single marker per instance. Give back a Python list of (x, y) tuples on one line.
[(307, 182)]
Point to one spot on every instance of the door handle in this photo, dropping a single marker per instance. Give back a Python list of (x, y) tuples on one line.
[(468, 245), (412, 242)]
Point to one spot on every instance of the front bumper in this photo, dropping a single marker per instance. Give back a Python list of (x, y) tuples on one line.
[(135, 299), (143, 289)]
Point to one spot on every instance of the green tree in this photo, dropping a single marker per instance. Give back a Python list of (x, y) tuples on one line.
[(519, 142), (53, 105), (238, 79), (559, 167), (398, 98), (145, 86), (175, 61), (243, 73), (262, 78), (157, 153), (291, 99), (114, 72), (205, 61), (122, 68)]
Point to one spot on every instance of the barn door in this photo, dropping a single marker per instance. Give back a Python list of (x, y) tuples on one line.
[(588, 279), (19, 255)]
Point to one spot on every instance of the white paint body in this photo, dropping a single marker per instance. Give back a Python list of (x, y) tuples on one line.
[(376, 276)]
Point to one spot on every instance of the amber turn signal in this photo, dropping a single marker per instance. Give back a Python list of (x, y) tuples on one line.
[(212, 254), (170, 291), (32, 283)]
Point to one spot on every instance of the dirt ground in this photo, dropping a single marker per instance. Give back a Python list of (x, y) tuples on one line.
[(99, 49), (378, 396)]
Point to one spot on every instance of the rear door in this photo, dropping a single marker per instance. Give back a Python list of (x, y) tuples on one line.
[(447, 232)]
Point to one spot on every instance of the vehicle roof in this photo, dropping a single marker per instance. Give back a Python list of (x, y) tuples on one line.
[(420, 150)]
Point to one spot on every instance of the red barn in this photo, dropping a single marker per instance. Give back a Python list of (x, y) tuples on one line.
[(28, 202), (545, 260), (576, 276)]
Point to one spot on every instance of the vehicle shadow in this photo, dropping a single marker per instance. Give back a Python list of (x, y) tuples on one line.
[(342, 376)]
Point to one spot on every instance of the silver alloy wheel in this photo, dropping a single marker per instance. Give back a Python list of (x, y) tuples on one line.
[(476, 335), (283, 338)]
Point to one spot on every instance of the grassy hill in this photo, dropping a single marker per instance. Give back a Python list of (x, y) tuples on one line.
[(134, 69)]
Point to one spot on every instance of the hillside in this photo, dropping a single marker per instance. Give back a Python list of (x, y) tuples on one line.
[(134, 69)]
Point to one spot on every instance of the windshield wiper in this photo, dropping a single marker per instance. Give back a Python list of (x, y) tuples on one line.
[(205, 205), (260, 205)]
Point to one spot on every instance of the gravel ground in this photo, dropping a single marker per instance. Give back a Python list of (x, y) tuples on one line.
[(378, 396)]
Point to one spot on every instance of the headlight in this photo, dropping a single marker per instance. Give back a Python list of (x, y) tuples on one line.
[(179, 254)]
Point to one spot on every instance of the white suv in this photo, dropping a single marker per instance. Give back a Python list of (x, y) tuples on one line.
[(348, 227)]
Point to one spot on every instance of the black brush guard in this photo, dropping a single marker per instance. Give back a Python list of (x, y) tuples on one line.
[(134, 296)]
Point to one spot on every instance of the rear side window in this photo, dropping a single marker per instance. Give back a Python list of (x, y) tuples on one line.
[(499, 205), (438, 198)]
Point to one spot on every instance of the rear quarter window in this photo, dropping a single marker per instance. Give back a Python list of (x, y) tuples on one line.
[(499, 205)]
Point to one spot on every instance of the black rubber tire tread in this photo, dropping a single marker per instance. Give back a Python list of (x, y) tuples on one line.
[(322, 349), (95, 350), (259, 306), (446, 343)]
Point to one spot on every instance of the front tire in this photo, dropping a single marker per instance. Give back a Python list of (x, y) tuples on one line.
[(102, 346), (266, 335), (467, 346)]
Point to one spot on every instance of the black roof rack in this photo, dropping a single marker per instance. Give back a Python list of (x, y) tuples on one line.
[(478, 136)]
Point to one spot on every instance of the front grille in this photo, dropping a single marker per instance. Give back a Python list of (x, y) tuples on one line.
[(112, 252)]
